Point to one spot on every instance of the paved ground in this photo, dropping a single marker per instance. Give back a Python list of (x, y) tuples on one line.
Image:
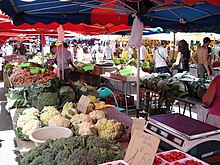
[(7, 143), (5, 118)]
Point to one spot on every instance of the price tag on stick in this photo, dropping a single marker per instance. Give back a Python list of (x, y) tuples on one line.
[(83, 103), (138, 124), (141, 149)]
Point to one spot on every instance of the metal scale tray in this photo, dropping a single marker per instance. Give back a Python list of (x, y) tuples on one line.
[(184, 133)]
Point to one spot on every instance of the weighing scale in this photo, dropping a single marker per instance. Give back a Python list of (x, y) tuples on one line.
[(186, 134)]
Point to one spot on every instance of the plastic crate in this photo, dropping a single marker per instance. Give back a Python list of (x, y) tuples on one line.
[(181, 161)]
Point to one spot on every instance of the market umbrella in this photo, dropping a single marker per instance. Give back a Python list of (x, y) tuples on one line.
[(183, 15), (78, 11)]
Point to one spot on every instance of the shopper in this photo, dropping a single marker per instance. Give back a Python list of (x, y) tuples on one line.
[(66, 60), (182, 60), (160, 57), (212, 100), (143, 53), (108, 52), (22, 49), (202, 55)]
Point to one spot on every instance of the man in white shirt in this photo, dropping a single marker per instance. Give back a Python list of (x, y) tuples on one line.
[(66, 60), (107, 52), (9, 49), (143, 53), (161, 58)]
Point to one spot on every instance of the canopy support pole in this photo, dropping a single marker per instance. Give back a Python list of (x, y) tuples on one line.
[(174, 43), (62, 64), (138, 84)]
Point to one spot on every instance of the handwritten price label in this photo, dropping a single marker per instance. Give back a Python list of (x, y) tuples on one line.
[(138, 124), (141, 149), (83, 103)]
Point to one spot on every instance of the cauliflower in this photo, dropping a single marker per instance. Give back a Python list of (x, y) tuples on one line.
[(59, 120), (109, 129), (23, 119), (30, 126), (68, 105), (68, 112), (86, 128), (97, 115), (31, 111), (48, 113), (78, 118)]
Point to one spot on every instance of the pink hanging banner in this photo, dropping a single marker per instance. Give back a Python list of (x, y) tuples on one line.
[(60, 33)]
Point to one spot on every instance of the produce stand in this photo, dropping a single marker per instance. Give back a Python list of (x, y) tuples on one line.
[(112, 113)]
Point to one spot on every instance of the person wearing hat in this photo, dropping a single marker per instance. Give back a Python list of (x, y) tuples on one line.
[(202, 55), (160, 57), (182, 60)]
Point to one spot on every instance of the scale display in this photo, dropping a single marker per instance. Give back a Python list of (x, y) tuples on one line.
[(189, 135)]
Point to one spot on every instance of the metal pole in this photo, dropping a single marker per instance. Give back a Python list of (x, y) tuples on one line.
[(62, 64), (174, 44), (138, 83), (42, 55)]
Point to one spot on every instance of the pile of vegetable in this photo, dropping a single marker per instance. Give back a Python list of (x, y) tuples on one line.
[(77, 150), (82, 88), (93, 123), (118, 61), (27, 121), (180, 85), (38, 58), (24, 76), (53, 93), (80, 65), (147, 66)]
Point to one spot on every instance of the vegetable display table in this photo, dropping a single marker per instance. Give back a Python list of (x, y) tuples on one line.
[(112, 113)]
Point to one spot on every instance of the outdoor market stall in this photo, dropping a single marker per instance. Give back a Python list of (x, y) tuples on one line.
[(21, 15)]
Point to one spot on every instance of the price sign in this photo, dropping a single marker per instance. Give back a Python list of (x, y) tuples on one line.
[(141, 149), (83, 103), (138, 124)]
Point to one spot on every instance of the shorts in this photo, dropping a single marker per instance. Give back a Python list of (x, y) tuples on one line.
[(201, 71)]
